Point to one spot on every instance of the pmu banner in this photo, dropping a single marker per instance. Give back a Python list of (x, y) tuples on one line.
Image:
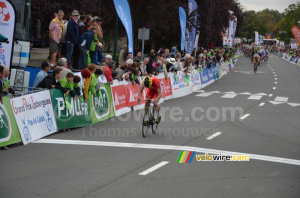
[(9, 132), (296, 33), (123, 10), (256, 38), (7, 30), (101, 104), (78, 115), (34, 115), (182, 19), (190, 39)]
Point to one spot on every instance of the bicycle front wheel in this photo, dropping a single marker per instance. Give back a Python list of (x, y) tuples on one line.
[(155, 123), (146, 122)]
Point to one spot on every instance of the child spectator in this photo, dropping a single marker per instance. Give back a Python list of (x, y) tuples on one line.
[(76, 87), (68, 85)]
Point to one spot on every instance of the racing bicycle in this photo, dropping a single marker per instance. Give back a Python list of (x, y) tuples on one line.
[(150, 119)]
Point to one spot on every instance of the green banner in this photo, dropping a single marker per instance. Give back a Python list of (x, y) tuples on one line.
[(9, 132), (102, 104), (78, 115)]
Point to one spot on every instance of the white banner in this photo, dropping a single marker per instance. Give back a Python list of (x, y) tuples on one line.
[(34, 115), (256, 38), (231, 33), (179, 86), (7, 27)]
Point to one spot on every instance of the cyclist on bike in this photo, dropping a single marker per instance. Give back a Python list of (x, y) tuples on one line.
[(256, 60), (154, 92)]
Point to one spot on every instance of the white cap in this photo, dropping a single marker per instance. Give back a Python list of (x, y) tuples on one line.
[(108, 56)]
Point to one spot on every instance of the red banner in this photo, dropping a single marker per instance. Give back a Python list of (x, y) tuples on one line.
[(296, 33), (119, 95), (166, 87), (132, 92)]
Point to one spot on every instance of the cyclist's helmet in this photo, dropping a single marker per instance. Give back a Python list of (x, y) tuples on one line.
[(147, 82)]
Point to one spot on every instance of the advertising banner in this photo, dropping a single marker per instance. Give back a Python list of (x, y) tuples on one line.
[(9, 132), (7, 30), (124, 13), (79, 115), (132, 91), (101, 105), (182, 19), (210, 74), (191, 35), (166, 87), (179, 86), (296, 33), (215, 70), (204, 76), (120, 100), (34, 115), (195, 81)]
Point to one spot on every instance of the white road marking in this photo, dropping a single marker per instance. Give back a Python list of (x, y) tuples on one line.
[(260, 94), (244, 116), (294, 104), (281, 99), (275, 82), (275, 78), (261, 104), (230, 92), (274, 87), (254, 97), (168, 147), (275, 75), (276, 102), (214, 135), (270, 95), (204, 94), (229, 96), (245, 93), (153, 168)]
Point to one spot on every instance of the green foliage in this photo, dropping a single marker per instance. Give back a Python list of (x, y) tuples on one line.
[(263, 22)]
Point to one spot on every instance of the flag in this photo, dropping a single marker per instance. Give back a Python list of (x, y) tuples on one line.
[(190, 36), (123, 10), (182, 19)]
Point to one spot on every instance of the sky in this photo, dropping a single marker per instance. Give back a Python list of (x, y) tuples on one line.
[(259, 5)]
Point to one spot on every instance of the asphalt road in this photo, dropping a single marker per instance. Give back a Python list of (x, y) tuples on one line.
[(111, 165)]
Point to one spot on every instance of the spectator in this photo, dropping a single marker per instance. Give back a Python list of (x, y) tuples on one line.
[(72, 35), (139, 56), (120, 71), (76, 82), (55, 32), (81, 25), (84, 44), (144, 66), (95, 44), (167, 53), (101, 77), (42, 74), (94, 82), (52, 80), (129, 55), (88, 22), (133, 76), (84, 84), (122, 54), (114, 75), (107, 60), (108, 71), (63, 64), (100, 36), (68, 85)]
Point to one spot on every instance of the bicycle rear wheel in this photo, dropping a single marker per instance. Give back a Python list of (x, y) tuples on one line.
[(146, 122), (155, 120)]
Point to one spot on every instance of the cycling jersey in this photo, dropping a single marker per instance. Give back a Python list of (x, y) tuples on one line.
[(152, 92)]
